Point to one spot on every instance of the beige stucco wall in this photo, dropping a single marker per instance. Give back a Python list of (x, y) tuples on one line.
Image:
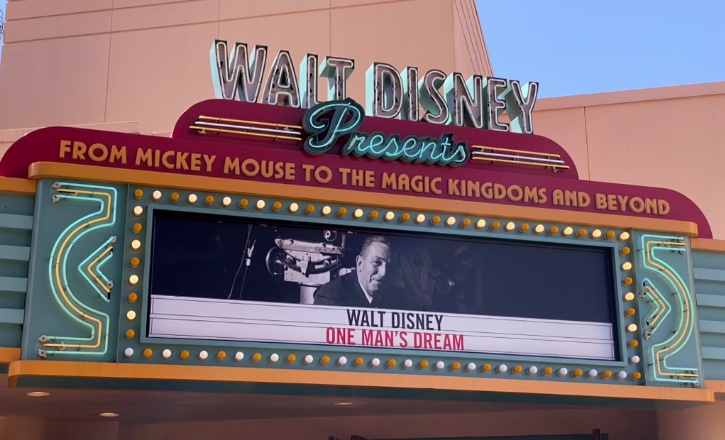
[(135, 65), (669, 137), (146, 61), (698, 423)]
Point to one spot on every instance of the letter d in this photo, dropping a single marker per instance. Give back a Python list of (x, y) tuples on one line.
[(395, 320), (386, 98)]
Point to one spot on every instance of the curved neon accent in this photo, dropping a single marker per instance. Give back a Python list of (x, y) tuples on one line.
[(96, 321), (102, 253), (661, 352), (661, 310), (108, 255)]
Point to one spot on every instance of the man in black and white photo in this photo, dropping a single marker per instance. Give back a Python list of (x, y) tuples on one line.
[(366, 286)]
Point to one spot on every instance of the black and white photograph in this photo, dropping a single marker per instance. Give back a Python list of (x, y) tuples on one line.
[(230, 278)]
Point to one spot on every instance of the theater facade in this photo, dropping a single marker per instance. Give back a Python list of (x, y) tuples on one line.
[(292, 260)]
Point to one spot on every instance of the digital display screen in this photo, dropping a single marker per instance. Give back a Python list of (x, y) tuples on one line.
[(232, 278)]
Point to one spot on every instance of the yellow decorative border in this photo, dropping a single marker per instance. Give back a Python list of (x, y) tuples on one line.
[(707, 244), (40, 170), (95, 370), (14, 185), (716, 386), (8, 355)]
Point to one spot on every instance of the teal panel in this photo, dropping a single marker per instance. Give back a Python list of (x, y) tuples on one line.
[(134, 346), (12, 300), (709, 272), (713, 366), (11, 316), (717, 354), (10, 335), (717, 327), (708, 260), (18, 253), (71, 297), (11, 284), (712, 288), (668, 315), (20, 205), (16, 223), (712, 339), (714, 301), (14, 268), (15, 237)]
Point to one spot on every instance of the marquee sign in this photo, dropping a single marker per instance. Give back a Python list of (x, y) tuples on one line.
[(320, 237), (326, 123), (257, 143), (476, 102), (277, 282)]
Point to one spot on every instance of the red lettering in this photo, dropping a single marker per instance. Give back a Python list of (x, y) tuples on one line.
[(340, 336), (458, 342), (389, 341), (435, 341), (403, 339), (349, 336), (367, 337)]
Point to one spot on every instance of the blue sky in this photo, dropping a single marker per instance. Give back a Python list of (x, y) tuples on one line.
[(573, 47)]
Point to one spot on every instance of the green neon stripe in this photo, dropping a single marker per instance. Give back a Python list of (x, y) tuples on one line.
[(100, 264), (680, 317), (104, 318), (83, 268)]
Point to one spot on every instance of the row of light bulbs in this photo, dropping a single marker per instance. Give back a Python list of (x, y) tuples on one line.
[(341, 361), (389, 216)]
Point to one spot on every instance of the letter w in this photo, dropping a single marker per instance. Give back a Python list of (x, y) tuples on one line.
[(353, 317), (240, 76)]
